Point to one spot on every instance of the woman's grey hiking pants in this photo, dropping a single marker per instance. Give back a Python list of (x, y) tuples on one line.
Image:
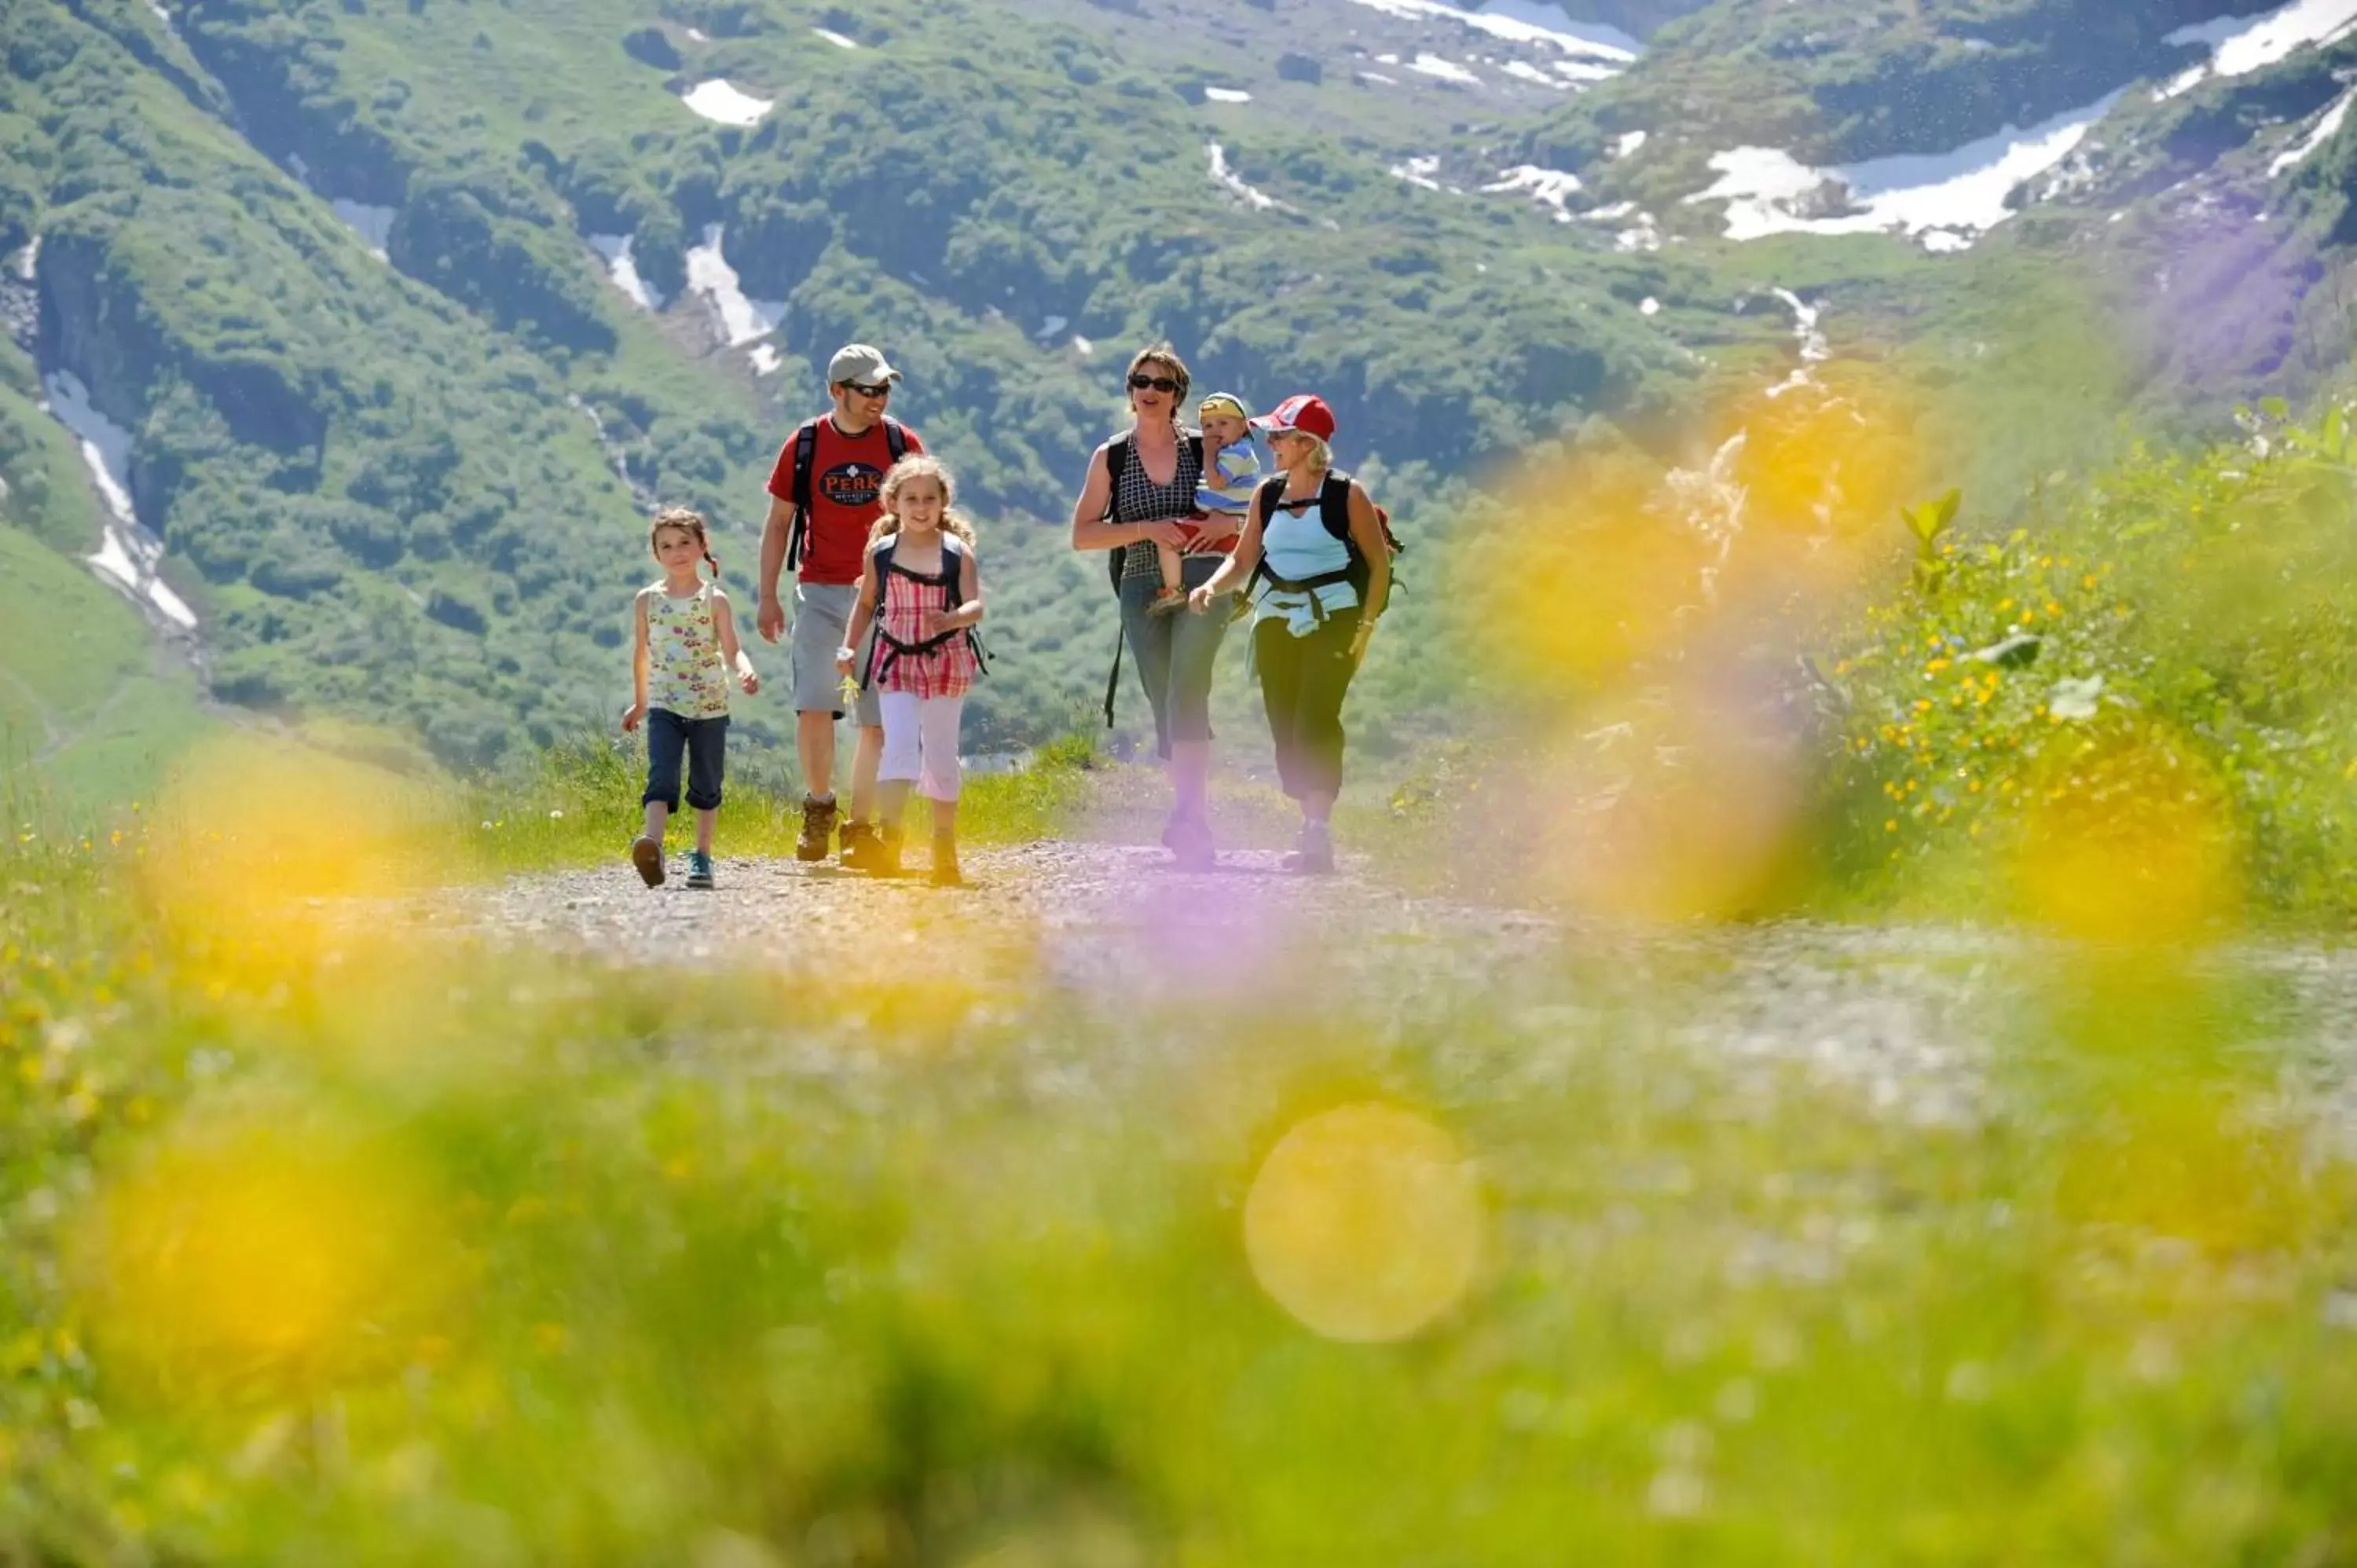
[(1174, 654)]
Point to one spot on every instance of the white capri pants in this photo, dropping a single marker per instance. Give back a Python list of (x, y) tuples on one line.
[(920, 741)]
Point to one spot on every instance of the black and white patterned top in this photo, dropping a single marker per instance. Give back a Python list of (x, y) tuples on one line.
[(1140, 499)]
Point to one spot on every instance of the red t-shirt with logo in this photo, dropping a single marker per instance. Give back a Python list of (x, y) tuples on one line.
[(846, 478)]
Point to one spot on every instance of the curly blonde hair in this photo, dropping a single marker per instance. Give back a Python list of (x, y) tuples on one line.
[(916, 466)]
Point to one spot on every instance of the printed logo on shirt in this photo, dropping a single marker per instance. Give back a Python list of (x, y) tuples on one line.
[(852, 484)]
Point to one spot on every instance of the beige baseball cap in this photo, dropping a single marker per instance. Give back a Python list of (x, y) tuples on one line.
[(860, 362)]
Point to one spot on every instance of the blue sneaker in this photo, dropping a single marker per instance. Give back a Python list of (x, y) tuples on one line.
[(699, 870)]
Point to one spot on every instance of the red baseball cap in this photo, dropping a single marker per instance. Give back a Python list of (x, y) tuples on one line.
[(1305, 412)]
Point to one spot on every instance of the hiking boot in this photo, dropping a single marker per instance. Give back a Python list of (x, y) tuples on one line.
[(945, 863), (647, 855), (818, 830), (862, 847), (1167, 602), (699, 870), (1189, 842), (1315, 853), (887, 852)]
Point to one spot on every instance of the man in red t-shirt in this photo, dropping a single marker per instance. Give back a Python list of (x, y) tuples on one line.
[(843, 457)]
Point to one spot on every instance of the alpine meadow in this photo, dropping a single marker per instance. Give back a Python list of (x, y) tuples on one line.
[(1702, 919)]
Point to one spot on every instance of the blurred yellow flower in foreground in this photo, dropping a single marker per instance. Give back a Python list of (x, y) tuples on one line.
[(256, 842), (2129, 837), (241, 1260), (1365, 1223)]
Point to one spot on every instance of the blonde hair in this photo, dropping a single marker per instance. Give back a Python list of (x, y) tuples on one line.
[(688, 522), (916, 466), (1320, 456)]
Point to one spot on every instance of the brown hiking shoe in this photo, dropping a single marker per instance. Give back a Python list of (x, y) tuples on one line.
[(818, 830), (647, 855), (862, 847), (945, 863), (887, 852)]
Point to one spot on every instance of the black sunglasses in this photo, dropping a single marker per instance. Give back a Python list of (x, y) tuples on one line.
[(881, 389), (1139, 381)]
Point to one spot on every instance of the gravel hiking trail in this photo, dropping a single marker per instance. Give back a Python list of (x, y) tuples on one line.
[(1903, 1014)]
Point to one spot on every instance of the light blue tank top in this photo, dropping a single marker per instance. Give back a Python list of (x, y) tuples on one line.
[(1298, 548)]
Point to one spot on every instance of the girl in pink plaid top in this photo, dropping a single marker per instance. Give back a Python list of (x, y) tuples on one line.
[(921, 565)]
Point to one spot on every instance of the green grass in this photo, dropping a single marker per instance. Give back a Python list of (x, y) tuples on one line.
[(386, 1250), (91, 712)]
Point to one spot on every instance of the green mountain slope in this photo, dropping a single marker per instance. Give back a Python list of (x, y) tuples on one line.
[(411, 488)]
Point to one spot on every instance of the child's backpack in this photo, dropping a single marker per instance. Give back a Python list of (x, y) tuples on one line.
[(886, 649), (896, 442), (1117, 455), (1333, 503)]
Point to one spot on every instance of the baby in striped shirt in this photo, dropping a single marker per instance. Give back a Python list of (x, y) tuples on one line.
[(1231, 474)]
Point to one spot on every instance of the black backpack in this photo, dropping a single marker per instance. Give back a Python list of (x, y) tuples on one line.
[(1333, 503), (1117, 453), (886, 649), (896, 442)]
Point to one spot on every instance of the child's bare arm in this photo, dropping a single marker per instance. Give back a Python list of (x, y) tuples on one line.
[(723, 624), (640, 662), (861, 614)]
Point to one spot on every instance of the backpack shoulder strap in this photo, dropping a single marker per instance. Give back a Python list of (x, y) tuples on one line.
[(1116, 457), (1334, 506), (805, 460), (1195, 445), (881, 553), (1271, 491), (896, 438), (952, 577)]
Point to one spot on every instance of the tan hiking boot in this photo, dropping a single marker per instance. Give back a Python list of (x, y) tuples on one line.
[(818, 830)]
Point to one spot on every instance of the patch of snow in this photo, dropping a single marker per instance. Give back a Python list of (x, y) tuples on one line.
[(718, 102), (1441, 69), (1551, 187), (1961, 193), (128, 554), (1649, 306), (1083, 346), (1529, 72), (765, 360), (373, 224), (28, 260), (1227, 95), (1379, 76), (1053, 325), (741, 320), (837, 40), (163, 15), (1947, 242), (699, 35), (1581, 71), (1418, 172), (105, 445), (2326, 128), (1613, 214), (2240, 45), (624, 269), (1521, 22), (1387, 60), (1228, 179), (1628, 144), (1645, 234)]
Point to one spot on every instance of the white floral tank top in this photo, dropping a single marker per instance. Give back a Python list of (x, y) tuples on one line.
[(684, 672)]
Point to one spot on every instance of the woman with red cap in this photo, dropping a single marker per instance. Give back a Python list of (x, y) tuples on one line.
[(1320, 542)]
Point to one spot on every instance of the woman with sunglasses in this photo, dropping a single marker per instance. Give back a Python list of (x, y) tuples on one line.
[(1141, 492)]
